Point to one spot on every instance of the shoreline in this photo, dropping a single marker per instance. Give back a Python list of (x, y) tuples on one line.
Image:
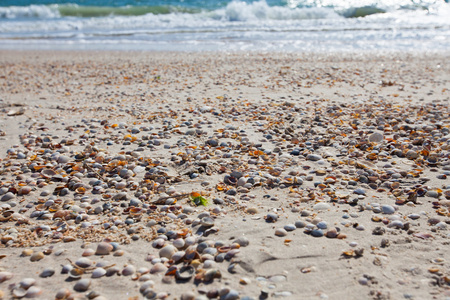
[(325, 175)]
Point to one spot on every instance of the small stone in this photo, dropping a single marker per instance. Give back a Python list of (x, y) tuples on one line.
[(104, 248), (290, 227), (167, 251), (376, 137), (313, 157), (322, 225), (232, 295), (280, 232), (37, 256), (388, 209), (271, 218), (317, 233), (188, 296), (321, 206), (82, 285), (8, 196), (300, 224), (242, 241), (48, 272)]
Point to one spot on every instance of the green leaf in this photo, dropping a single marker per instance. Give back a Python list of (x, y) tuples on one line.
[(199, 200)]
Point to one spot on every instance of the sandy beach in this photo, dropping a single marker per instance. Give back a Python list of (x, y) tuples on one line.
[(323, 176)]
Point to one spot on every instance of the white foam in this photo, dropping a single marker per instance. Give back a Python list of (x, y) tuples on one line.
[(32, 11)]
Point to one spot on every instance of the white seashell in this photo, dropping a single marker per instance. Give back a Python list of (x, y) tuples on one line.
[(179, 243), (62, 294), (82, 285), (33, 292), (98, 272), (104, 248), (177, 256), (167, 251), (158, 268), (27, 282), (84, 262), (5, 276), (128, 270)]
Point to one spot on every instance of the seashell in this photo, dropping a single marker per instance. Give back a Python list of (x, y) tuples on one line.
[(25, 190), (171, 270), (82, 285), (33, 292), (48, 173), (230, 254), (47, 272), (145, 277), (19, 292), (128, 270), (242, 241), (76, 273), (98, 272), (112, 271), (119, 253), (179, 243), (147, 284), (27, 283), (62, 294), (37, 256), (185, 273), (158, 268), (88, 252), (207, 222), (94, 295), (177, 256), (5, 276), (158, 243), (167, 251), (84, 263), (104, 248), (422, 235), (212, 274), (68, 239), (332, 233), (66, 269)]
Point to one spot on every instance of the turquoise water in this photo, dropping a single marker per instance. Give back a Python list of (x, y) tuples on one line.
[(200, 25)]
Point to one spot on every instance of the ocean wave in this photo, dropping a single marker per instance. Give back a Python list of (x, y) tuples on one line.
[(32, 11), (232, 11)]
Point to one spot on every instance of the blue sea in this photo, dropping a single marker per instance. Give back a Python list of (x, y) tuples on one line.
[(226, 25)]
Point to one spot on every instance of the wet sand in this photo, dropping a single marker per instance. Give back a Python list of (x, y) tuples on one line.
[(325, 176)]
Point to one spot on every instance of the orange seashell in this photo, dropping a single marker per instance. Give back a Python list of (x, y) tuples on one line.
[(80, 190)]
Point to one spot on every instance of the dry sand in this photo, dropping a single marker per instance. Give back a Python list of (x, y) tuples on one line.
[(331, 141)]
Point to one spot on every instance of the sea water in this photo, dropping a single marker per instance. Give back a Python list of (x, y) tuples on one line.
[(226, 25)]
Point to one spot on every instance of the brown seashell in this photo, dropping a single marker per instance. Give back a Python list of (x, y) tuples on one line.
[(62, 294), (185, 273), (5, 276), (37, 256), (88, 252), (48, 173), (158, 268), (104, 248), (25, 190), (27, 252), (76, 273)]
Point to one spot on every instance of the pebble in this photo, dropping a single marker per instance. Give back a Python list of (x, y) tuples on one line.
[(290, 227), (82, 285), (321, 206), (317, 233), (281, 232), (376, 137), (313, 157), (388, 209)]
